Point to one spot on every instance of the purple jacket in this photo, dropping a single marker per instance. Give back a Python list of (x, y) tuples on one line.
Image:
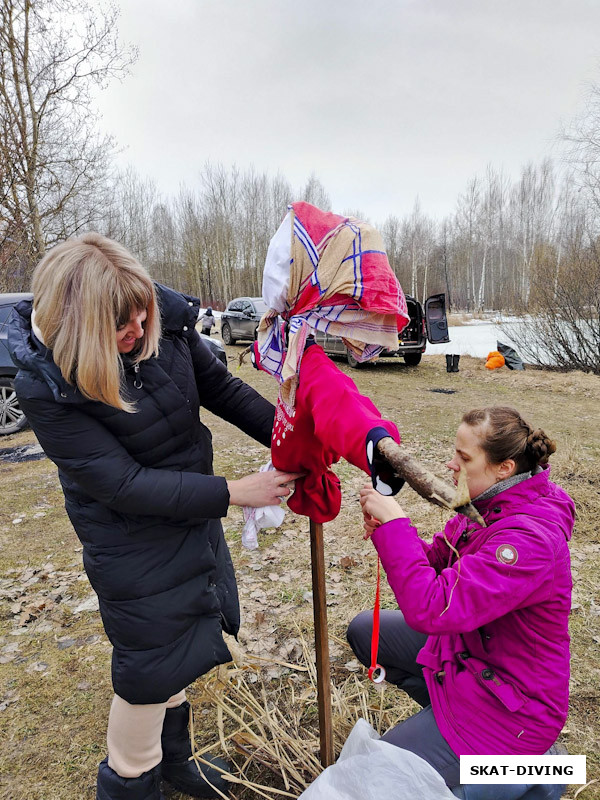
[(496, 662)]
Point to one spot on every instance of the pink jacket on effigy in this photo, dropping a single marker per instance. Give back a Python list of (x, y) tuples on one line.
[(496, 662), (330, 420)]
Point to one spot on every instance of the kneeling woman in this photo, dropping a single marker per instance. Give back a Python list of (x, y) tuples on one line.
[(481, 638)]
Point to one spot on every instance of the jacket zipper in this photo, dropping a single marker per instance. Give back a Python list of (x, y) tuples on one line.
[(137, 381)]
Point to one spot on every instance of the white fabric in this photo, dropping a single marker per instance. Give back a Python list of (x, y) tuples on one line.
[(369, 769), (276, 275), (257, 518), (35, 328)]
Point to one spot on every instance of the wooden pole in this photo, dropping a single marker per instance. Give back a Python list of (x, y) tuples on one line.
[(317, 558)]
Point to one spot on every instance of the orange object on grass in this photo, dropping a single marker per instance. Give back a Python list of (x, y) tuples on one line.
[(495, 360)]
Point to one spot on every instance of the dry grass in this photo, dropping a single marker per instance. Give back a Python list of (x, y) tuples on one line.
[(55, 661), (270, 732)]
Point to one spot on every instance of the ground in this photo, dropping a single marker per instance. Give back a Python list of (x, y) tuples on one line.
[(55, 660)]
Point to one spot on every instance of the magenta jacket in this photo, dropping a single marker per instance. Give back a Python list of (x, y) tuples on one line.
[(496, 662)]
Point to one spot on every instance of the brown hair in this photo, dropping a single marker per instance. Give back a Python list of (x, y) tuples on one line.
[(83, 289), (506, 435)]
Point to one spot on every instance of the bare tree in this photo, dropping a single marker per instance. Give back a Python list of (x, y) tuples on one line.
[(532, 203), (128, 217), (582, 140), (314, 192), (53, 55), (563, 251), (392, 238), (165, 262), (562, 330)]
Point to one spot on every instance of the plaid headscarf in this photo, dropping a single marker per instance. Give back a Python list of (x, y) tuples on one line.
[(340, 282)]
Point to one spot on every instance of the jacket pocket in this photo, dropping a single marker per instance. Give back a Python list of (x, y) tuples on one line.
[(507, 693)]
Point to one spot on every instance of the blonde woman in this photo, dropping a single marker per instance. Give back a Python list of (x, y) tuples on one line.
[(112, 376)]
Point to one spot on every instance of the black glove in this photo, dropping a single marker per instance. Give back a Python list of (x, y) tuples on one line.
[(383, 477)]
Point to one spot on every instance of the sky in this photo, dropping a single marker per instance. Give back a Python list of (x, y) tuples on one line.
[(383, 100)]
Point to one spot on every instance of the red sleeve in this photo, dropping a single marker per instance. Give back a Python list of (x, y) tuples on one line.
[(342, 416)]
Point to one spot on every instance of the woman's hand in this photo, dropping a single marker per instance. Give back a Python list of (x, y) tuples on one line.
[(370, 525), (377, 509), (262, 489)]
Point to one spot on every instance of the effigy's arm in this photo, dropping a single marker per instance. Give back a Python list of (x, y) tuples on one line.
[(428, 485)]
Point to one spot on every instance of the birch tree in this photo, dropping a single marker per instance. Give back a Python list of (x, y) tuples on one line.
[(54, 54)]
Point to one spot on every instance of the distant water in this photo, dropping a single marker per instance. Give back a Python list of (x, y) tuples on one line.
[(476, 339), (471, 340)]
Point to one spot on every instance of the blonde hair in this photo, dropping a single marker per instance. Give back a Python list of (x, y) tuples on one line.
[(83, 290)]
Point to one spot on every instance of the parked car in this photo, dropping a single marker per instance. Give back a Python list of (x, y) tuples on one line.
[(429, 324), (216, 346), (240, 319), (12, 419)]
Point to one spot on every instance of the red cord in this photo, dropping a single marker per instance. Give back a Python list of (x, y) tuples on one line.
[(376, 671)]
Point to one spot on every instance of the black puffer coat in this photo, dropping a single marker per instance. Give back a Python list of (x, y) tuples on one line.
[(141, 494)]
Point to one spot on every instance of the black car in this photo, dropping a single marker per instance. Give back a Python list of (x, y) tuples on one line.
[(424, 325), (12, 419), (216, 347), (241, 317)]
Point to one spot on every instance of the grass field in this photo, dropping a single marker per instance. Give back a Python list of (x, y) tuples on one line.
[(55, 660)]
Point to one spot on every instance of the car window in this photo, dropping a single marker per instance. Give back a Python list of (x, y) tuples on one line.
[(235, 305), (4, 314), (260, 306), (247, 308)]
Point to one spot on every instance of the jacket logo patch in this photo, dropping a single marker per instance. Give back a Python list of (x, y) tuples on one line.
[(507, 554)]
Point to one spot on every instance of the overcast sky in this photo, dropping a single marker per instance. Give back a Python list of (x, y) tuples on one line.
[(383, 101)]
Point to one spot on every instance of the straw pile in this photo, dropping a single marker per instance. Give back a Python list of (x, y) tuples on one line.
[(269, 728)]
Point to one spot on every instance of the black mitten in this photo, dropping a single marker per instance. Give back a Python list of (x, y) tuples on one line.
[(384, 479)]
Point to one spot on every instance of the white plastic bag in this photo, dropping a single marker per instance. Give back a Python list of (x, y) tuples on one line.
[(369, 769), (257, 518)]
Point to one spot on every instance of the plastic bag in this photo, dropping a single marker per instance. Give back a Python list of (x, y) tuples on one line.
[(495, 360), (369, 769), (511, 357), (257, 518)]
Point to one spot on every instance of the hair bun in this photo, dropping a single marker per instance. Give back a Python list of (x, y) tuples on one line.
[(540, 446)]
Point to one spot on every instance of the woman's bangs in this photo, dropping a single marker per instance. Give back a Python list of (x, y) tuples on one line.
[(134, 296)]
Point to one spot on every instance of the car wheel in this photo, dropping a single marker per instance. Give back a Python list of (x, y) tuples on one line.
[(412, 359), (226, 334), (12, 419), (352, 360)]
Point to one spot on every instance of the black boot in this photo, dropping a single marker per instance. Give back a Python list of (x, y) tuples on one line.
[(176, 769), (455, 360), (111, 786), (449, 363)]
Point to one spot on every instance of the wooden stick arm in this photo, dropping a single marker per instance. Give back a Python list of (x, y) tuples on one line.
[(426, 484)]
